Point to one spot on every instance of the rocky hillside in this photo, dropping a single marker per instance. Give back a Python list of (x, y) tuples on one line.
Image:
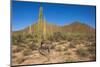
[(50, 28)]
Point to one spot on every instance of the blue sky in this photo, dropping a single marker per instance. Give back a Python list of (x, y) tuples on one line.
[(26, 13)]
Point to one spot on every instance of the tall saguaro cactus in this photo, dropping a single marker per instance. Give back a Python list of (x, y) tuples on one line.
[(30, 29), (41, 24), (41, 14), (44, 29), (40, 20)]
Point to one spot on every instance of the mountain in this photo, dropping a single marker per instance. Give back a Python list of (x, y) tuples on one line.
[(50, 28), (78, 27)]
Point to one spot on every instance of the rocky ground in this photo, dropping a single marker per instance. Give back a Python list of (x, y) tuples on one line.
[(63, 51)]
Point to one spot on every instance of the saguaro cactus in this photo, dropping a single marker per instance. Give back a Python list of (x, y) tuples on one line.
[(41, 24), (30, 29), (40, 20), (44, 29)]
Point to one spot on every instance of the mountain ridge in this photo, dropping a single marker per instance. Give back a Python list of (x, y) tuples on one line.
[(73, 27)]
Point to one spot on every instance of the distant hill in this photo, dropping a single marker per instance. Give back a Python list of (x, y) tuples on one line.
[(78, 27), (50, 28)]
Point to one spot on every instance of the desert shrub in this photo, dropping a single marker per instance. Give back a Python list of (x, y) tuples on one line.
[(60, 48), (89, 37), (17, 50), (52, 47), (92, 50), (33, 46), (13, 40), (27, 52), (72, 44), (79, 35), (16, 39), (19, 38), (93, 57), (37, 38), (19, 60), (31, 41), (59, 36), (69, 38), (29, 36), (51, 38), (81, 52)]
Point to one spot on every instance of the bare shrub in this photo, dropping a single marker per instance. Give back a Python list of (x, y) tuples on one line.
[(27, 52), (60, 48), (81, 52), (92, 50), (72, 44), (19, 49)]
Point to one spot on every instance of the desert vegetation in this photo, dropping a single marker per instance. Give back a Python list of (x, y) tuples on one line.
[(43, 43), (60, 47)]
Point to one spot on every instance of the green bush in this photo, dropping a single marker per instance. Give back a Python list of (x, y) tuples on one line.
[(57, 36)]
